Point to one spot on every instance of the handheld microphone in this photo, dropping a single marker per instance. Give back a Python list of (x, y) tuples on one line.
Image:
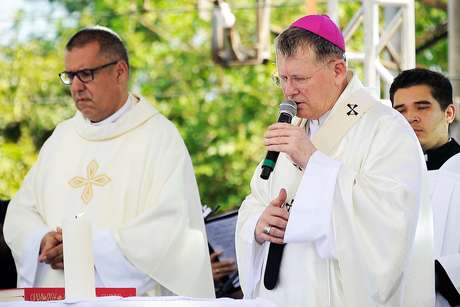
[(288, 109), (272, 269)]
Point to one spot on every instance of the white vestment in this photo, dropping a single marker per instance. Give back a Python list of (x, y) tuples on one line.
[(350, 235), (134, 180), (445, 199)]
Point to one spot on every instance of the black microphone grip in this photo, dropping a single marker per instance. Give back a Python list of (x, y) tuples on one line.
[(272, 156), (288, 109), (272, 269)]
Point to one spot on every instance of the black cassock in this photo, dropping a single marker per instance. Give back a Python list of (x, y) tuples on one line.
[(435, 158)]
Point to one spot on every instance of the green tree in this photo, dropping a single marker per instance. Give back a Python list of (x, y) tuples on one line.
[(222, 113)]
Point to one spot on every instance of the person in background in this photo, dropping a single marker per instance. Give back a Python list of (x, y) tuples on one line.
[(424, 98), (224, 272), (7, 266)]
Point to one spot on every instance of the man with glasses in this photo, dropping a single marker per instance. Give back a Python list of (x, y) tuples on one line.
[(424, 98), (124, 167), (345, 196)]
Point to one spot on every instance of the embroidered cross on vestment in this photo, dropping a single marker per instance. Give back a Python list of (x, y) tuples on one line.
[(352, 108), (92, 179)]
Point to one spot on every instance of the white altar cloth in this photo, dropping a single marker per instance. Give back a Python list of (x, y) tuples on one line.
[(171, 301)]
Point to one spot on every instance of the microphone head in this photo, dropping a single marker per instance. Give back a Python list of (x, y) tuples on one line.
[(289, 107)]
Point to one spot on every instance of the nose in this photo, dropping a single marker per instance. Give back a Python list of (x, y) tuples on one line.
[(413, 117), (76, 85), (289, 89)]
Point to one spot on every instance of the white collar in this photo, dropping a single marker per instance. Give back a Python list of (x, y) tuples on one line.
[(117, 115)]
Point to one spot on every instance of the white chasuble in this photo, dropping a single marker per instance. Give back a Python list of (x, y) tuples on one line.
[(445, 201), (134, 181), (375, 200)]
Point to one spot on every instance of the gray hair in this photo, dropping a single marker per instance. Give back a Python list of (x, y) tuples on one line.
[(290, 40)]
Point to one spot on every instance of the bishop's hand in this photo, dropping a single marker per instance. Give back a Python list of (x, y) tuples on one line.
[(291, 140), (273, 221)]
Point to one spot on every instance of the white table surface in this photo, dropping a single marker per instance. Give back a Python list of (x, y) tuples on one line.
[(172, 301)]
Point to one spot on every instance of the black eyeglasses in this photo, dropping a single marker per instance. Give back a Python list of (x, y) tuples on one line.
[(84, 75)]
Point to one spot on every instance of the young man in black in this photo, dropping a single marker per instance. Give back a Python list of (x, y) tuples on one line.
[(424, 98)]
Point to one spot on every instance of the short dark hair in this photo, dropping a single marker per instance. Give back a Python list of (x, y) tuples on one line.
[(291, 39), (110, 42), (440, 86)]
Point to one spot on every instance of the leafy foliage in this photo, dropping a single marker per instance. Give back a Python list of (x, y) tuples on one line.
[(221, 113), (436, 56)]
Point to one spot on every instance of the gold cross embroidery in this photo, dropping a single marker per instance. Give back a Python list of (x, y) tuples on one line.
[(99, 180)]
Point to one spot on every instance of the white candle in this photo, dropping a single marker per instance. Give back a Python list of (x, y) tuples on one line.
[(78, 259)]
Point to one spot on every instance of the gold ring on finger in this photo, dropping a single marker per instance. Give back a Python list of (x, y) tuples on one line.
[(267, 229)]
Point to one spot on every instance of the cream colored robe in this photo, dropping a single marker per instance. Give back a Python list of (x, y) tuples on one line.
[(375, 204), (445, 199), (133, 178)]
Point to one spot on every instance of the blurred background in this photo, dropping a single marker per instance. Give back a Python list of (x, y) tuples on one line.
[(206, 65)]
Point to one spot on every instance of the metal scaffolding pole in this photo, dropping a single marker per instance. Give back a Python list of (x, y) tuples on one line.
[(378, 39), (333, 10)]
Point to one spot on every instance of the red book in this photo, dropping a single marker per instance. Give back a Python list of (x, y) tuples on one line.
[(43, 294), (55, 294), (123, 292)]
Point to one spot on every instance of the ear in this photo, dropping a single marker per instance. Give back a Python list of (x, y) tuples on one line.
[(449, 113), (340, 71), (122, 71)]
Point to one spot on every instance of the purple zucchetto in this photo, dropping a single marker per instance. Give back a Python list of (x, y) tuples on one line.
[(323, 26)]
